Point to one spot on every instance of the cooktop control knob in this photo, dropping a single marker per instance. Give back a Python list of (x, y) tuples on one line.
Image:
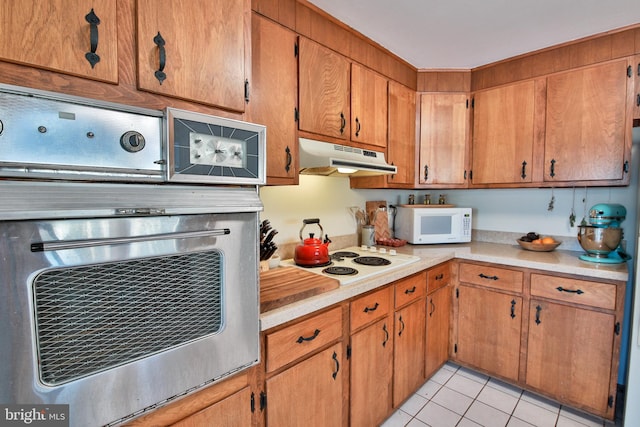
[(132, 141)]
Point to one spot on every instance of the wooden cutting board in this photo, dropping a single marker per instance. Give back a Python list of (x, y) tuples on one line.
[(285, 285)]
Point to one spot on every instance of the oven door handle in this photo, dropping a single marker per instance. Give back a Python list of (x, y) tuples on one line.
[(87, 243)]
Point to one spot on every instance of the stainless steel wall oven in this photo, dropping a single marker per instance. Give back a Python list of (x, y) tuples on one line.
[(120, 291)]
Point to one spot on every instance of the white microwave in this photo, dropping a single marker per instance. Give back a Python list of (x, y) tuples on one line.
[(431, 225)]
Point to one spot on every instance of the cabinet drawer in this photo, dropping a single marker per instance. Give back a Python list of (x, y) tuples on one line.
[(371, 307), (438, 277), (491, 277), (410, 288), (300, 339), (576, 291)]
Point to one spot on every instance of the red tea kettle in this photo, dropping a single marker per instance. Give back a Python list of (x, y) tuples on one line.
[(312, 252)]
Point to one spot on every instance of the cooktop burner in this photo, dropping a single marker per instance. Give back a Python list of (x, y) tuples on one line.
[(344, 254), (340, 270), (315, 265), (371, 260)]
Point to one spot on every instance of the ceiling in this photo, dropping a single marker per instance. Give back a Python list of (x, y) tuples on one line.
[(464, 34)]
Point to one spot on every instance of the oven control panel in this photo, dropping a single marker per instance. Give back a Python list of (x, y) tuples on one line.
[(51, 136)]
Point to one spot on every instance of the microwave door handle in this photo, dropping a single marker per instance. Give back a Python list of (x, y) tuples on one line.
[(87, 243)]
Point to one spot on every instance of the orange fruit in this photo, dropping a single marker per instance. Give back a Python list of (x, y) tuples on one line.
[(537, 241), (547, 240)]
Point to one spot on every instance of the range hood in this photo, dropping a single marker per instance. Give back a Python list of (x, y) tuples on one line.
[(327, 159)]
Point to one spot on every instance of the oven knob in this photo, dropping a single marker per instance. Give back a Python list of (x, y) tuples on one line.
[(132, 141)]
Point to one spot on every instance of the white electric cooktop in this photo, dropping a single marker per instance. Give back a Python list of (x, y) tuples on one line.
[(355, 263)]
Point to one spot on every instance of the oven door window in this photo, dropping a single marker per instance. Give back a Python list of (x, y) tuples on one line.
[(93, 318)]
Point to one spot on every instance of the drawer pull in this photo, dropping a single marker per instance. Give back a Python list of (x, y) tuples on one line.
[(513, 309), (374, 308), (577, 291), (301, 339), (401, 326), (335, 359), (484, 276), (410, 291), (538, 310), (440, 276), (386, 335)]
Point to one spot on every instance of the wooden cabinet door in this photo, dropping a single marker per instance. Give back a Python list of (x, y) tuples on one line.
[(324, 91), (489, 328), (234, 411), (438, 327), (503, 134), (586, 136), (369, 107), (274, 96), (444, 120), (401, 145), (371, 374), (55, 35), (636, 94), (309, 393), (204, 50), (408, 343), (570, 353)]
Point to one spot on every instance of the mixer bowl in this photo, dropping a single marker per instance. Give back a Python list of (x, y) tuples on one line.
[(597, 241)]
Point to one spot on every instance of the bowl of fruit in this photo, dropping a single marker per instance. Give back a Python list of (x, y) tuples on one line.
[(535, 242)]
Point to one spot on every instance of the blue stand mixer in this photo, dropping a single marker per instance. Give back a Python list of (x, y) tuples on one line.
[(601, 238)]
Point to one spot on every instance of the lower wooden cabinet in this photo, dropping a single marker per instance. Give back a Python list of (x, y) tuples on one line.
[(569, 354), (564, 344), (408, 361), (310, 393), (489, 331), (230, 412), (371, 373), (438, 326)]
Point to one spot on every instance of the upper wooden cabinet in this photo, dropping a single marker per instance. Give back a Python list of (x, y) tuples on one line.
[(444, 124), (587, 134), (274, 96), (196, 52), (324, 91), (401, 141), (61, 35), (369, 107), (503, 134)]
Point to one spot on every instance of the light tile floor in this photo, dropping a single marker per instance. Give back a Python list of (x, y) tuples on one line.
[(459, 397)]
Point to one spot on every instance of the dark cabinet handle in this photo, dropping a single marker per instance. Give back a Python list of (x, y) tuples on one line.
[(93, 21), (246, 91), (374, 308), (162, 60), (513, 309), (335, 359), (638, 100), (577, 291), (439, 276), (358, 127), (484, 276), (343, 123), (410, 291), (433, 307), (287, 166), (538, 310), (301, 339), (552, 171), (386, 335), (523, 175), (426, 172), (401, 326)]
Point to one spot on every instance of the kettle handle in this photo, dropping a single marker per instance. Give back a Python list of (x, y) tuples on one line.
[(310, 221)]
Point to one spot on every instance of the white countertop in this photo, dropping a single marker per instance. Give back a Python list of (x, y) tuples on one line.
[(557, 261)]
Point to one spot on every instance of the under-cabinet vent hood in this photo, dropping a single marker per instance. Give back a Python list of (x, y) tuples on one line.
[(324, 158)]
